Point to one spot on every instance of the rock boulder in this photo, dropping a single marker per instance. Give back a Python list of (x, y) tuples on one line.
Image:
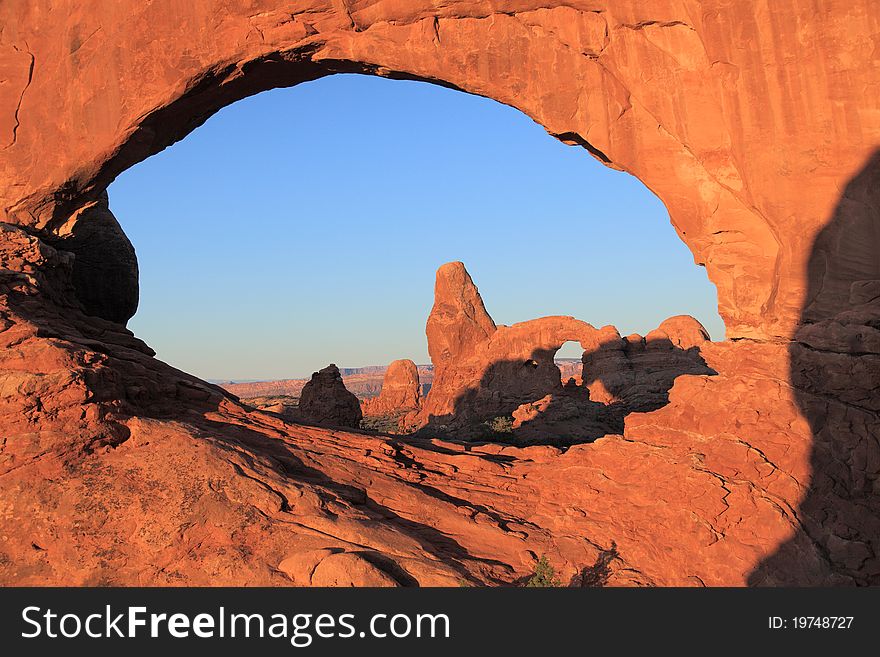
[(324, 401)]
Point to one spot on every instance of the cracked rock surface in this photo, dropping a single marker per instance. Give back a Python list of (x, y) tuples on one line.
[(756, 125)]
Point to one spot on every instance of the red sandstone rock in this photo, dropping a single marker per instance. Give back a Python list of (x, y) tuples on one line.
[(635, 374), (481, 370), (401, 393), (486, 376), (245, 498), (458, 323), (753, 124), (682, 331), (690, 99), (324, 401), (256, 389)]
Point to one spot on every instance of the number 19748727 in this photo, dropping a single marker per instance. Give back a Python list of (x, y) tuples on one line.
[(810, 622)]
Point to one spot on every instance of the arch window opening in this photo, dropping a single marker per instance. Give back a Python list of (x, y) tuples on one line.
[(303, 226)]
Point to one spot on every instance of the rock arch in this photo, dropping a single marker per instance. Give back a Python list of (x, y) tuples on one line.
[(664, 91), (753, 124), (483, 371), (466, 347)]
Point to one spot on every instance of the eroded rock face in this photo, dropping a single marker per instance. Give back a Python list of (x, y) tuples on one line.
[(324, 401), (620, 376), (755, 126), (635, 373), (498, 374), (682, 331)]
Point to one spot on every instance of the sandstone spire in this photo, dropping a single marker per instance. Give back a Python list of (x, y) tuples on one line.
[(458, 321), (401, 390)]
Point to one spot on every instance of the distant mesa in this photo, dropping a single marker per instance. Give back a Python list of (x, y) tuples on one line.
[(364, 382)]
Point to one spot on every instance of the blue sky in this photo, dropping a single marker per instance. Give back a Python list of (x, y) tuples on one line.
[(303, 226)]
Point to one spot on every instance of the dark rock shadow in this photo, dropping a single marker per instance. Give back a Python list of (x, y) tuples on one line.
[(599, 573), (526, 402), (835, 372)]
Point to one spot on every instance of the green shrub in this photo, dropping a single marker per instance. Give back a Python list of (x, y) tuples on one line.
[(500, 424), (381, 423), (544, 575)]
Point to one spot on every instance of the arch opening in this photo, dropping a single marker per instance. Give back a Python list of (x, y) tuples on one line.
[(232, 229), (274, 278)]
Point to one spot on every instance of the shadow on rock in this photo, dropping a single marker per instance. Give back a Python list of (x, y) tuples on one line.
[(599, 573), (526, 403), (835, 372)]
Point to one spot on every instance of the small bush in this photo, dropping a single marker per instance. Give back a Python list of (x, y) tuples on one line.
[(500, 424), (544, 575), (382, 423), (390, 424)]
